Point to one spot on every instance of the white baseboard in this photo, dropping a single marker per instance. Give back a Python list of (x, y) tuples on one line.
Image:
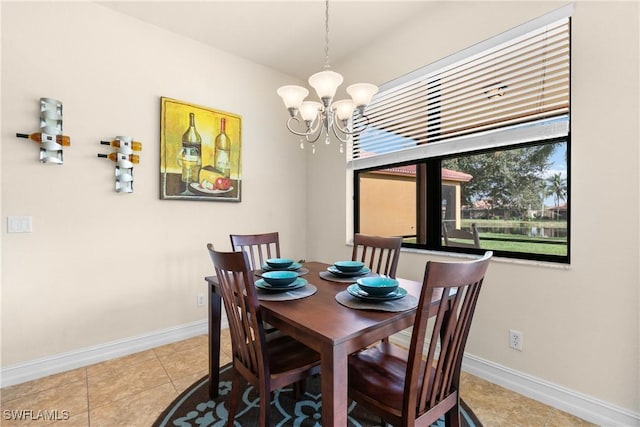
[(580, 405), (34, 369)]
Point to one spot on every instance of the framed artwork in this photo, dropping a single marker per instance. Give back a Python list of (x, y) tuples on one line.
[(200, 151)]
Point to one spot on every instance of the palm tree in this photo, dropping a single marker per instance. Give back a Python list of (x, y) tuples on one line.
[(557, 186)]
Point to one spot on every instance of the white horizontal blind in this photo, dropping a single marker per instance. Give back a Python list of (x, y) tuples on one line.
[(522, 80)]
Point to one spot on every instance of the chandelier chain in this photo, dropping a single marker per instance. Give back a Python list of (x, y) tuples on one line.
[(326, 35)]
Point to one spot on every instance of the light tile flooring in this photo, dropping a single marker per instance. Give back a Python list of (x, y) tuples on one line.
[(132, 391)]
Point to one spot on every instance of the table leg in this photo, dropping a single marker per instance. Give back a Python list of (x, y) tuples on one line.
[(335, 393), (214, 341)]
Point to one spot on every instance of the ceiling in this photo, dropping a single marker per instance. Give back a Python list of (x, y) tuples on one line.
[(284, 35)]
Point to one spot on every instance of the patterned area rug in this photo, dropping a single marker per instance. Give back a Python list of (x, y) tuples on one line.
[(193, 407)]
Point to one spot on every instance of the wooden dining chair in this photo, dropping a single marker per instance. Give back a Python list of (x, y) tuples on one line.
[(259, 247), (267, 363), (380, 254), (457, 238), (407, 388)]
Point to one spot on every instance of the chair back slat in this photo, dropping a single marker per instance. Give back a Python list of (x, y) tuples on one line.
[(243, 310), (259, 247), (462, 238), (433, 378), (380, 254)]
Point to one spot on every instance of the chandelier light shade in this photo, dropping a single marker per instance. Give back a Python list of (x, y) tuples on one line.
[(311, 118)]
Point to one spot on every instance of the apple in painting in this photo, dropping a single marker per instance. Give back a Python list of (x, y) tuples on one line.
[(223, 183)]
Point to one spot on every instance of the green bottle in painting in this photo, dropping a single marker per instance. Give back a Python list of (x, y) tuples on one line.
[(222, 158), (189, 158)]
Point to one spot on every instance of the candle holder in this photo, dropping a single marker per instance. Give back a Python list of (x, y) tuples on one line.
[(124, 159)]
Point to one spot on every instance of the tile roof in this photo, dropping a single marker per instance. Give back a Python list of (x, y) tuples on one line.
[(410, 170)]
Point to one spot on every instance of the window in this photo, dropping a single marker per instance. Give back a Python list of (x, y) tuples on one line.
[(472, 153)]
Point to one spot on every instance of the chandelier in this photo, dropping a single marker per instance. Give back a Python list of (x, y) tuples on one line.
[(312, 118)]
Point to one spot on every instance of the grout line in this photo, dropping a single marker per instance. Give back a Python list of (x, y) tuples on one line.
[(86, 381)]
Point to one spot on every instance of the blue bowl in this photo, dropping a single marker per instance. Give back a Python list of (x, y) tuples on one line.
[(377, 285), (280, 278), (279, 262), (349, 266)]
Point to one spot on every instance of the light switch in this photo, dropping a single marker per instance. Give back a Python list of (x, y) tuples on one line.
[(19, 224)]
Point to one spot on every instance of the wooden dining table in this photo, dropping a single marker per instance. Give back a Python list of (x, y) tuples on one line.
[(323, 324)]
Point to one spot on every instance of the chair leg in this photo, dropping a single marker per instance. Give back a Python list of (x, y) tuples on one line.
[(265, 406), (452, 417), (298, 389), (236, 386)]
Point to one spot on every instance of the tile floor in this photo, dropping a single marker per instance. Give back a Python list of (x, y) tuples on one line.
[(132, 391)]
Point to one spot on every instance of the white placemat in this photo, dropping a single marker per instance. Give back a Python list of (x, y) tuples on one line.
[(326, 275), (401, 304), (302, 292)]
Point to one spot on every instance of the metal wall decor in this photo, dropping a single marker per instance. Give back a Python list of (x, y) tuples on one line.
[(124, 159), (50, 136)]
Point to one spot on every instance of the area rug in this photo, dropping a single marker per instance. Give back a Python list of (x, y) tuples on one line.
[(194, 408)]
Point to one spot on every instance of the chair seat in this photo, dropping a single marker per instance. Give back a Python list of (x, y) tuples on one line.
[(379, 372), (287, 355)]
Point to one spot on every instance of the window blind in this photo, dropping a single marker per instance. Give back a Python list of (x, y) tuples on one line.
[(509, 87)]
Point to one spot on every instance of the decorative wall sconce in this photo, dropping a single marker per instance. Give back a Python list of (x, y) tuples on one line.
[(125, 159), (50, 136)]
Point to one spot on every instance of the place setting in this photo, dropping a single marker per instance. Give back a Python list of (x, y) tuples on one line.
[(280, 264), (377, 293), (281, 281), (346, 272)]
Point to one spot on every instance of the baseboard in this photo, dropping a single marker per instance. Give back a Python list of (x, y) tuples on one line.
[(570, 401), (34, 369)]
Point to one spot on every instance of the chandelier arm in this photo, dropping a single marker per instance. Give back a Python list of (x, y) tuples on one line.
[(313, 140), (362, 127), (292, 130), (347, 135), (309, 131), (345, 130)]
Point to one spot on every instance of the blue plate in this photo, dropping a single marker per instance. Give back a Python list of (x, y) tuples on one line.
[(333, 270), (299, 283), (293, 267), (359, 293)]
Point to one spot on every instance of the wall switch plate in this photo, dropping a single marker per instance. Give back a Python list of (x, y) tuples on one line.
[(19, 224), (200, 300)]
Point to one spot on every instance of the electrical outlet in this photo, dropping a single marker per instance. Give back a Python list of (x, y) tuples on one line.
[(200, 300), (515, 340)]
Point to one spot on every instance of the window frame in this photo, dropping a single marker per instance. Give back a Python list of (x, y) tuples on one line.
[(433, 197)]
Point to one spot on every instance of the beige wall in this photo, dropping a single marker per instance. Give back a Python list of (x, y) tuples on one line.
[(580, 324), (379, 198), (101, 266)]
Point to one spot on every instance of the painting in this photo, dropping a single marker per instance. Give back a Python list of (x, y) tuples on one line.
[(200, 153)]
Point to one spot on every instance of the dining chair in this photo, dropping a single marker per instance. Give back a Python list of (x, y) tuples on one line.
[(263, 246), (461, 238), (267, 363), (379, 253), (407, 388)]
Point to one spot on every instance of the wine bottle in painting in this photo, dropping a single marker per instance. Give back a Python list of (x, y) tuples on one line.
[(189, 157), (222, 157)]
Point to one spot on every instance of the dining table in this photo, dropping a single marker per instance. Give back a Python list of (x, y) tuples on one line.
[(322, 323)]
